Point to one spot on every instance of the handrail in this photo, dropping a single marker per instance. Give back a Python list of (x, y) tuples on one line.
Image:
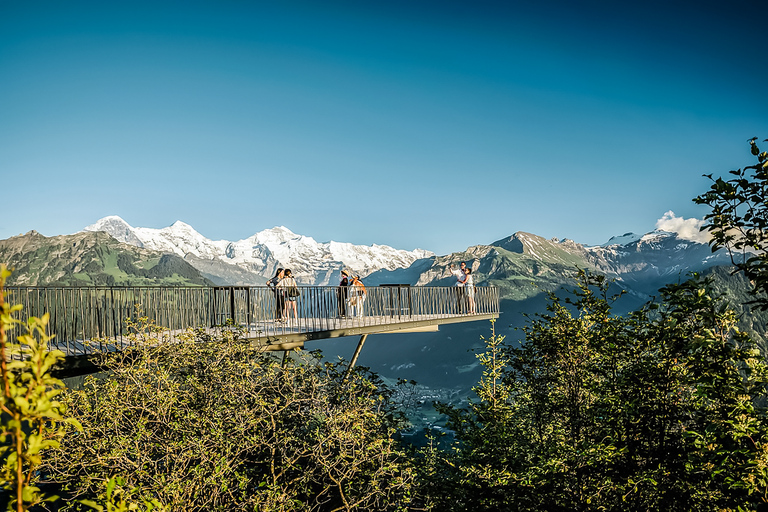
[(78, 314)]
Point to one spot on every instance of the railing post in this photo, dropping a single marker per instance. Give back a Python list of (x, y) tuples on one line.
[(248, 306), (232, 303)]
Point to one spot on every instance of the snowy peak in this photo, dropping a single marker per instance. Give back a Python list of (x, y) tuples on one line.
[(653, 237), (626, 238), (118, 229), (276, 235), (260, 254)]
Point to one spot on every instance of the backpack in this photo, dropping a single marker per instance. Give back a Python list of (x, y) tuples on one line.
[(293, 290), (360, 287)]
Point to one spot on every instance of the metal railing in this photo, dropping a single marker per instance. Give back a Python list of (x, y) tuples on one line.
[(80, 314)]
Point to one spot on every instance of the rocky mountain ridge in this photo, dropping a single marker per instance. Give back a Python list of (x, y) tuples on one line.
[(523, 264), (254, 259), (91, 259)]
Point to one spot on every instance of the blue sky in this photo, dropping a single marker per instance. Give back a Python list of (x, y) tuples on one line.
[(437, 125)]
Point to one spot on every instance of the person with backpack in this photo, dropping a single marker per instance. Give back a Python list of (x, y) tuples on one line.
[(356, 296), (290, 291)]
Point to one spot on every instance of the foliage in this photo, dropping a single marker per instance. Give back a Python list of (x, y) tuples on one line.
[(219, 425), (113, 499), (738, 219), (658, 410), (32, 416)]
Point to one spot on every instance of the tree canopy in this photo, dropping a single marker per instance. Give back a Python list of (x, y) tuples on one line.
[(658, 410), (738, 220)]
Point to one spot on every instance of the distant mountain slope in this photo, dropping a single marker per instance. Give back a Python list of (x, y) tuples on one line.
[(524, 265), (254, 259), (735, 288), (91, 258)]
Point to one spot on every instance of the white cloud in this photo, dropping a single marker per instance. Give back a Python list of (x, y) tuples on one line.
[(687, 229)]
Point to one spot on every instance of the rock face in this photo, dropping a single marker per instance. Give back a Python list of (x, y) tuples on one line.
[(88, 259), (255, 259), (523, 265)]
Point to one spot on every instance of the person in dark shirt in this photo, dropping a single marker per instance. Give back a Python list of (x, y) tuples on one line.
[(342, 292), (279, 298)]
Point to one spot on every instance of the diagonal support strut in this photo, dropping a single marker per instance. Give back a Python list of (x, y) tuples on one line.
[(355, 356)]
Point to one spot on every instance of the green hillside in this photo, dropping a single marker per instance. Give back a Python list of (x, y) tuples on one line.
[(91, 259)]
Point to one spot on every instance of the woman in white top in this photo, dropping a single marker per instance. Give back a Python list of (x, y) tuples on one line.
[(290, 291), (469, 290)]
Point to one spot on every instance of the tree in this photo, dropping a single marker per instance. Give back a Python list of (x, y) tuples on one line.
[(658, 410), (32, 416), (215, 424), (738, 220), (34, 419)]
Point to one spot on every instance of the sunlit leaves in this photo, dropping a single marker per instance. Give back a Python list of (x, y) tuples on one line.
[(214, 424), (33, 420), (738, 220), (657, 410)]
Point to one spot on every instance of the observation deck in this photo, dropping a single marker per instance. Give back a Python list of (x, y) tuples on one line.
[(86, 320)]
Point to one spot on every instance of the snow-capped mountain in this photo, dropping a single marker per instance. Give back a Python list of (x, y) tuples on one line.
[(626, 238), (654, 259), (254, 259), (523, 264)]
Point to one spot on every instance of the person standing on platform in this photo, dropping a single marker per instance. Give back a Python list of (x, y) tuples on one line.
[(290, 292), (461, 278), (356, 296), (342, 293), (279, 298), (469, 290)]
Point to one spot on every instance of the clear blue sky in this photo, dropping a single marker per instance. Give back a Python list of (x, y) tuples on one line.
[(413, 124)]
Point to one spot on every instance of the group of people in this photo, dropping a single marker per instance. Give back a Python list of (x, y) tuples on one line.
[(465, 288), (350, 295), (286, 294)]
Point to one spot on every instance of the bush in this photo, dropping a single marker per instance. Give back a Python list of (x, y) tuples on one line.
[(214, 424), (660, 410)]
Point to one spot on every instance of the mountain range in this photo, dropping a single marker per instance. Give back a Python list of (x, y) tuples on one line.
[(253, 260), (91, 259), (523, 266)]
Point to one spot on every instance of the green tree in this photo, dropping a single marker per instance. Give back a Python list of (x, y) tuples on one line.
[(214, 424), (32, 416), (657, 410), (738, 220)]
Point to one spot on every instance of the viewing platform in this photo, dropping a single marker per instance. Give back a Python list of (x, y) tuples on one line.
[(86, 320)]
